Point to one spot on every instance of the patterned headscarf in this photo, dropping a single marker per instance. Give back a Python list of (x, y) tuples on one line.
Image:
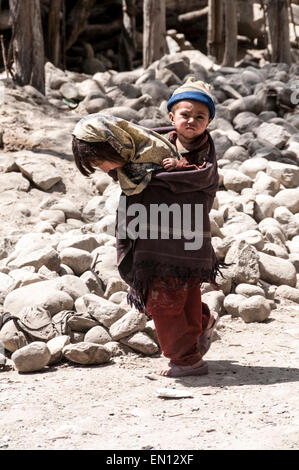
[(141, 148)]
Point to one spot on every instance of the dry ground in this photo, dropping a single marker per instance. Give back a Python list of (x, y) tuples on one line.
[(249, 399)]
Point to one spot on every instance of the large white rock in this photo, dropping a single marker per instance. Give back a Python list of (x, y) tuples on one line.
[(254, 309), (97, 335), (11, 337), (118, 297), (72, 285), (93, 283), (78, 260), (253, 165), (70, 209), (93, 209), (231, 304), (54, 217), (274, 235), (7, 164), (238, 223), (265, 184), (55, 346), (46, 256), (276, 270), (35, 356), (275, 250), (113, 286), (104, 311), (287, 292), (264, 206), (252, 237), (245, 268), (141, 342), (131, 322), (29, 243), (246, 121), (248, 290), (286, 174), (87, 353), (51, 299), (106, 264), (236, 152), (44, 175), (288, 198), (221, 246), (283, 215), (13, 181), (214, 299), (77, 322), (275, 134), (87, 242), (235, 180)]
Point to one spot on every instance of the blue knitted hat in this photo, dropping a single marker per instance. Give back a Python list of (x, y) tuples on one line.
[(192, 90)]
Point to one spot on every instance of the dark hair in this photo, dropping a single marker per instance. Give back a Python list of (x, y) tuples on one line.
[(87, 153)]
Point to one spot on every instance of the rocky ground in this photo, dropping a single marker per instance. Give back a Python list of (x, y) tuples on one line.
[(57, 262)]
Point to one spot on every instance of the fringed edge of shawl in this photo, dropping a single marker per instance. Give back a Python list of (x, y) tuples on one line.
[(137, 295)]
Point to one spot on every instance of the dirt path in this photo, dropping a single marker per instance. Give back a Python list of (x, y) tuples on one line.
[(249, 400)]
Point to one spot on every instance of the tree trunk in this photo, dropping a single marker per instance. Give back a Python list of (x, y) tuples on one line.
[(28, 43), (78, 19), (127, 43), (231, 31), (215, 30), (154, 31), (54, 40), (278, 22), (192, 17)]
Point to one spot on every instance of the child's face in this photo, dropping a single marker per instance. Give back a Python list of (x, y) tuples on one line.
[(106, 166), (190, 118)]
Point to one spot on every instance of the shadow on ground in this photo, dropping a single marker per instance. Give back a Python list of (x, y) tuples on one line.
[(229, 373)]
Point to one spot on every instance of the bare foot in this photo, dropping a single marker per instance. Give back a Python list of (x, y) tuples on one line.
[(200, 368)]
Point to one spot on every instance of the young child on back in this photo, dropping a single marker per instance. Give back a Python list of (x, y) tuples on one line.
[(191, 109)]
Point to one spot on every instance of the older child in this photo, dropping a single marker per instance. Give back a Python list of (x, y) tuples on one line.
[(164, 277)]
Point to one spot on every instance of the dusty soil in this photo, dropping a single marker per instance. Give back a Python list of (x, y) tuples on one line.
[(249, 399)]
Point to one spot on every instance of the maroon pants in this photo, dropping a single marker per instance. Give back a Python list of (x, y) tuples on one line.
[(180, 318)]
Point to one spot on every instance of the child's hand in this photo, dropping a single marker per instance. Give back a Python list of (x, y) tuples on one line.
[(169, 163)]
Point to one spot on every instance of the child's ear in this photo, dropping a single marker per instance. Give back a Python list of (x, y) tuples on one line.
[(171, 117)]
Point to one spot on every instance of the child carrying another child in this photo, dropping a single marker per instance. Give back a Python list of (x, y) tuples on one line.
[(164, 273)]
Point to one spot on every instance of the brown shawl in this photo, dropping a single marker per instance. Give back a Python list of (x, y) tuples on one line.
[(142, 260)]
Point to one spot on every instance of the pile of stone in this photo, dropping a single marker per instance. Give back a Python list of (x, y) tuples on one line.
[(62, 276)]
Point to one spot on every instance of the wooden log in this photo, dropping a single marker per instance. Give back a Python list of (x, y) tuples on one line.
[(193, 17), (215, 36), (231, 30), (28, 43), (154, 31), (278, 21), (53, 40), (127, 41)]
